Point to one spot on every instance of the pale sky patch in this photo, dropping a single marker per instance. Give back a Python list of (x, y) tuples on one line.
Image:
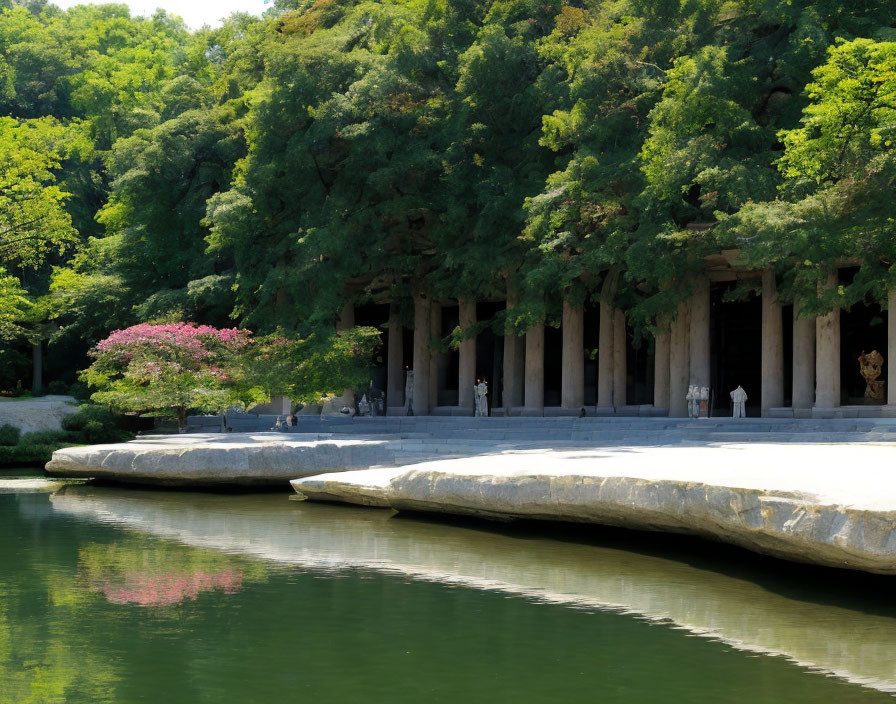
[(194, 12)]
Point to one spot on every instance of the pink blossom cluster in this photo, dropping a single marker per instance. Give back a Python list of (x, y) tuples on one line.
[(167, 589), (188, 337)]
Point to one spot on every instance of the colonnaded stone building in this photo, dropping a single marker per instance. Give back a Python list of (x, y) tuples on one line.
[(789, 366)]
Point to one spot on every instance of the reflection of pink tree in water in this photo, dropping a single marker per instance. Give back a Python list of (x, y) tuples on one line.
[(149, 589)]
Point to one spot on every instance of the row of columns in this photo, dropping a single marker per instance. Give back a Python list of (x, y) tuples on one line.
[(682, 355), (523, 385)]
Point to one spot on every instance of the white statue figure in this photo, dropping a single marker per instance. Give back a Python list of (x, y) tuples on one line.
[(739, 399), (693, 397), (377, 400), (480, 390), (364, 408), (703, 403), (409, 392)]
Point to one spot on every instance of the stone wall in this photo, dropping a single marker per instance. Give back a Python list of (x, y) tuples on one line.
[(36, 414)]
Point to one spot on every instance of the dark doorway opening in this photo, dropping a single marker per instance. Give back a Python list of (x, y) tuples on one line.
[(490, 351), (735, 349), (863, 328), (553, 365), (376, 315), (787, 321), (639, 356), (449, 360)]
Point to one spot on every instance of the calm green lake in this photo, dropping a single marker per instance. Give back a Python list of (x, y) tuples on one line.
[(110, 595)]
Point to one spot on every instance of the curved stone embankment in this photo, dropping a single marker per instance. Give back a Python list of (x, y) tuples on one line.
[(806, 621), (831, 505), (260, 459)]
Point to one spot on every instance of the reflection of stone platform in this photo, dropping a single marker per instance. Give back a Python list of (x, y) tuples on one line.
[(805, 620), (827, 504)]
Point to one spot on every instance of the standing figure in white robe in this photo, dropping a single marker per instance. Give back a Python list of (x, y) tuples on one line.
[(692, 397), (364, 407), (409, 392), (739, 400), (480, 390)]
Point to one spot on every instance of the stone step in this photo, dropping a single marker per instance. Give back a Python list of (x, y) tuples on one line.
[(584, 429)]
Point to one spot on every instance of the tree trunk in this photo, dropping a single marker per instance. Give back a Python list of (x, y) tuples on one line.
[(37, 368), (181, 419)]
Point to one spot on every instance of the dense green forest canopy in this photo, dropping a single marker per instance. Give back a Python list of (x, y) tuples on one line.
[(266, 172)]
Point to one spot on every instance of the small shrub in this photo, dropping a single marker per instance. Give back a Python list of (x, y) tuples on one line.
[(93, 423), (9, 435), (46, 437), (57, 388), (79, 390), (24, 455)]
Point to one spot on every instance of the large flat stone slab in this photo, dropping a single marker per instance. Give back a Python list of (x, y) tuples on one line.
[(832, 505), (251, 459)]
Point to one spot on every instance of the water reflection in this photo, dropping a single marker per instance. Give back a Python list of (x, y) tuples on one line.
[(54, 641), (155, 574), (816, 627)]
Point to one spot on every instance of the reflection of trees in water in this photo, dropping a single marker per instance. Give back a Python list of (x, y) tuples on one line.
[(159, 574), (167, 589), (43, 659), (48, 616)]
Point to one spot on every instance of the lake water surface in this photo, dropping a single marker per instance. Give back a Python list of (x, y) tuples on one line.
[(120, 596)]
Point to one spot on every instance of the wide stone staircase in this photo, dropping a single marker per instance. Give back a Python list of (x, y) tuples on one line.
[(419, 438)]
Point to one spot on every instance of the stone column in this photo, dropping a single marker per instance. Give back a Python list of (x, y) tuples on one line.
[(827, 355), (435, 333), (534, 389), (466, 367), (803, 360), (514, 365), (772, 345), (679, 342), (891, 347), (661, 364), (572, 393), (606, 337), (422, 315), (345, 322), (395, 362), (698, 310), (620, 361)]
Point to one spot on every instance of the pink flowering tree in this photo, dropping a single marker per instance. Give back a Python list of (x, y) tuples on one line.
[(166, 370)]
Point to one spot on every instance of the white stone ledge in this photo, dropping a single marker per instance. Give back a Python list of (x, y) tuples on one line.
[(832, 505), (246, 459)]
